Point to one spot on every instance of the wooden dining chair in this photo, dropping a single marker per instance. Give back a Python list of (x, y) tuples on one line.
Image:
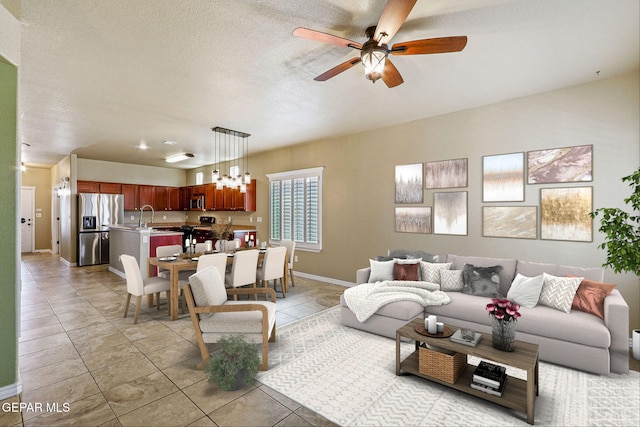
[(183, 276), (214, 316), (291, 250), (138, 287), (273, 268)]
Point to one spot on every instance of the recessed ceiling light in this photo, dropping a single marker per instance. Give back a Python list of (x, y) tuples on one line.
[(178, 157), (143, 146), (169, 142)]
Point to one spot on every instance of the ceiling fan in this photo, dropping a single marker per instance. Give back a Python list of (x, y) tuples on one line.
[(375, 51)]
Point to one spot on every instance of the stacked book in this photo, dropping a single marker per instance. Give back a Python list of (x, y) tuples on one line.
[(489, 378), (466, 337)]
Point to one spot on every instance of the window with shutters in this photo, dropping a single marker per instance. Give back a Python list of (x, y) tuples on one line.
[(295, 208)]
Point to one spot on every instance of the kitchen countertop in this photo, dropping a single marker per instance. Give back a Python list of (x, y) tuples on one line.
[(147, 230)]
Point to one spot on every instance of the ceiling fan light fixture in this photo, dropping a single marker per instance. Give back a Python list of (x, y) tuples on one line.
[(178, 157), (373, 59)]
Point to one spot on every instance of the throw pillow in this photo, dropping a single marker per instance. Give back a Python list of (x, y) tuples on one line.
[(381, 270), (207, 287), (590, 297), (431, 271), (482, 281), (451, 280), (406, 272), (526, 290), (558, 292)]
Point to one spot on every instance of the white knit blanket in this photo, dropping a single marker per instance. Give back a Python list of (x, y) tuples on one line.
[(367, 298)]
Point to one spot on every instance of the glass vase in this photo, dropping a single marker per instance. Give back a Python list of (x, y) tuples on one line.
[(503, 333)]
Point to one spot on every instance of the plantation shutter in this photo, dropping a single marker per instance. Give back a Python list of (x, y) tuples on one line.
[(296, 208)]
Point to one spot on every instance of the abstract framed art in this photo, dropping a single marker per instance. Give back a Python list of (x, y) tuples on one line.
[(409, 184), (503, 178), (569, 164), (446, 174), (450, 213), (517, 222), (564, 214), (413, 220)]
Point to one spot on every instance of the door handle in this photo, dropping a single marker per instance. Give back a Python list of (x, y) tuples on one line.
[(22, 220)]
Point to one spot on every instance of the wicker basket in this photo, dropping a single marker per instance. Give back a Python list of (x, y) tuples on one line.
[(442, 366)]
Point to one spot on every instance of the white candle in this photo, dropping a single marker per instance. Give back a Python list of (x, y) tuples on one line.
[(432, 325), (209, 245), (193, 242), (186, 242), (246, 237)]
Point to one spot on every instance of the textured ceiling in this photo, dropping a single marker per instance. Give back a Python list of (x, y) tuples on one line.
[(98, 78)]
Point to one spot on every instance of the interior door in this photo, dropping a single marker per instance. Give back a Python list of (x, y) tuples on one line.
[(27, 223)]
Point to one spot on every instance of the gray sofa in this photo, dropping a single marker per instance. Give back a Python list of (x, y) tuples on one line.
[(577, 339)]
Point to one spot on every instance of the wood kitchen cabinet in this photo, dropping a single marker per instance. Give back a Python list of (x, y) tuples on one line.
[(88, 187), (166, 199), (131, 194), (147, 195), (110, 188), (230, 199)]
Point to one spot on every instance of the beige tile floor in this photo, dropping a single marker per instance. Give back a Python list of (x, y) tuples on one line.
[(93, 367)]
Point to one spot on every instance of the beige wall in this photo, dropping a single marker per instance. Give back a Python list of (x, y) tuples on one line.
[(98, 170), (40, 179), (358, 199)]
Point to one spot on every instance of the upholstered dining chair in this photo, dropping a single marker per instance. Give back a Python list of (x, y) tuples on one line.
[(138, 287), (291, 250), (183, 276), (243, 269), (214, 316), (217, 260), (273, 268)]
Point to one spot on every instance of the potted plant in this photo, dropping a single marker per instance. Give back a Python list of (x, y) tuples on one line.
[(235, 364), (622, 231)]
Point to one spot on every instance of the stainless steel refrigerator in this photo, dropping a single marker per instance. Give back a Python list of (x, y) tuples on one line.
[(96, 212)]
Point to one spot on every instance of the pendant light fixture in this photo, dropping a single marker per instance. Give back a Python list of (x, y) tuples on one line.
[(231, 149)]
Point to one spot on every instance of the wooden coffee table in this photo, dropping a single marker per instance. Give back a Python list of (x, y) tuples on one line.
[(518, 394)]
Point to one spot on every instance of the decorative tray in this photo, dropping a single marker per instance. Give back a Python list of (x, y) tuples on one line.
[(448, 331), (167, 258)]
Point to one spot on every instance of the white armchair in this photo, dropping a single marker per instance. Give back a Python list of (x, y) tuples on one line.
[(213, 315)]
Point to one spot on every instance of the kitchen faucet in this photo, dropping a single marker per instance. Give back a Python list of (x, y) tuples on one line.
[(152, 215)]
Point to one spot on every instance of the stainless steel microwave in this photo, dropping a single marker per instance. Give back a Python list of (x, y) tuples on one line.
[(196, 203)]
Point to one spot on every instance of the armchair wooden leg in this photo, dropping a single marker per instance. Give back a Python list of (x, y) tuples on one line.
[(126, 307)]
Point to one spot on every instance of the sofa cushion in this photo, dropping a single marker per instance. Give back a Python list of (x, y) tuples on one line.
[(482, 281), (526, 290), (590, 297), (409, 254), (544, 321), (381, 270), (451, 280), (506, 275), (406, 272), (530, 269), (558, 292)]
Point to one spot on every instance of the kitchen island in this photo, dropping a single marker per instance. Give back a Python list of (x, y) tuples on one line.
[(140, 243)]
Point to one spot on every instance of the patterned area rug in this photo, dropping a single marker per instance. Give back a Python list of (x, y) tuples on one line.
[(348, 376)]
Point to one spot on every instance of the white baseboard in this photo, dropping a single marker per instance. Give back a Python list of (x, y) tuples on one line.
[(324, 279), (117, 272), (10, 390), (68, 263), (43, 251)]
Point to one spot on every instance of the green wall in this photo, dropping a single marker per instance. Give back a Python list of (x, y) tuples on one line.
[(8, 224)]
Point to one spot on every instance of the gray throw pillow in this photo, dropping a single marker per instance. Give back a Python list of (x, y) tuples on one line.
[(482, 281)]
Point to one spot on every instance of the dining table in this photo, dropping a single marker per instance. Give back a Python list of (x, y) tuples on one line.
[(184, 262)]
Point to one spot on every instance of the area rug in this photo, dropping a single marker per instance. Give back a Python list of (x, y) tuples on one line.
[(348, 376)]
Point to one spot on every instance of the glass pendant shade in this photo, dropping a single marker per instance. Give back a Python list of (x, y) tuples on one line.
[(215, 174), (247, 178), (373, 62)]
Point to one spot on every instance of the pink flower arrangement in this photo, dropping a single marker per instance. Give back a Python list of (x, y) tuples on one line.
[(503, 309)]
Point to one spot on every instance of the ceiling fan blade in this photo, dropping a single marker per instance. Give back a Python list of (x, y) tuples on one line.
[(437, 45), (319, 36), (392, 18), (337, 70), (391, 76)]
